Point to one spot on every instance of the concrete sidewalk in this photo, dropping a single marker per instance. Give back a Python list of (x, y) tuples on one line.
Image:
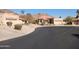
[(59, 25)]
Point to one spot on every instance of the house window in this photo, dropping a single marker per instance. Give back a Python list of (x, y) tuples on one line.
[(10, 19)]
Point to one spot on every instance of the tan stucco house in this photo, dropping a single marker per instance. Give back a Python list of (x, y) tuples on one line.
[(9, 17), (43, 18), (59, 21), (75, 20), (46, 19)]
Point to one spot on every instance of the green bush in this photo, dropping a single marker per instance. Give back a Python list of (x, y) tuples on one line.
[(9, 23), (18, 26)]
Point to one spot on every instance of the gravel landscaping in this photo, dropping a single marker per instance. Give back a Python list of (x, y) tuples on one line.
[(7, 33)]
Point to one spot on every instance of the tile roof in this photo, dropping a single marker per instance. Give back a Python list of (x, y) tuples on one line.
[(42, 16)]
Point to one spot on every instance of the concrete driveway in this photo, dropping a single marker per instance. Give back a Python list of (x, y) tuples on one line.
[(57, 37)]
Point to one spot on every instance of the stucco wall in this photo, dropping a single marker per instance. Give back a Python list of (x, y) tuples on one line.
[(58, 21), (13, 16)]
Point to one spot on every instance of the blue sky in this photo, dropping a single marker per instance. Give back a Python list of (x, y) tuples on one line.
[(53, 12)]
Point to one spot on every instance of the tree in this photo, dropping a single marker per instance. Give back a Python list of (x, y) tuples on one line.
[(68, 19), (22, 11), (59, 16), (29, 17), (77, 13)]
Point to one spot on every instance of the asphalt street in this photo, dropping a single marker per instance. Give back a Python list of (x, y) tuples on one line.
[(46, 38)]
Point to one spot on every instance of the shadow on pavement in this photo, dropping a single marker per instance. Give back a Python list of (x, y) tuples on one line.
[(76, 35)]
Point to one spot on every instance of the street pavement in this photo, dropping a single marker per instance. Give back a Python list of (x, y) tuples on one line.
[(54, 37)]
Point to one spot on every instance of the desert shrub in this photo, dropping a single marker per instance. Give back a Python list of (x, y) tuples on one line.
[(68, 23), (33, 22), (36, 21), (9, 23), (18, 26)]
